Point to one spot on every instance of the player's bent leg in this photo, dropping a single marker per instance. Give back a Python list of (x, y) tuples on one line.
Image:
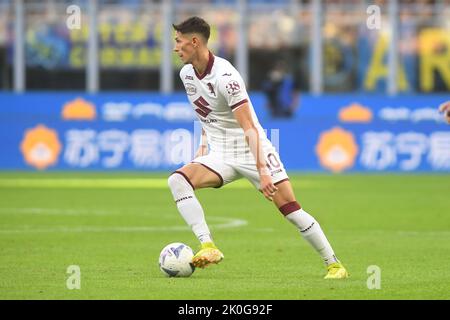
[(309, 228), (188, 205), (199, 176), (182, 184)]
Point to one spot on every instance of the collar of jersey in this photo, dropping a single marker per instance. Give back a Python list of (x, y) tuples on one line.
[(208, 67)]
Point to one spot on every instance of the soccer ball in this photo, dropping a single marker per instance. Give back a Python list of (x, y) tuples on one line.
[(175, 260)]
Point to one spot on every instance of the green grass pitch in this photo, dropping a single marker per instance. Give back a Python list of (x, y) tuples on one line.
[(113, 227)]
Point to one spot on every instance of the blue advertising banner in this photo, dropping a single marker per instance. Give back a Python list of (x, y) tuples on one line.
[(137, 131)]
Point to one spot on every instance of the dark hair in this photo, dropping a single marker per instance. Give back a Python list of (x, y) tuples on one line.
[(194, 25)]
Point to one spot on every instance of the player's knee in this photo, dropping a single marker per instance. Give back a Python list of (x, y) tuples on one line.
[(175, 181), (179, 182)]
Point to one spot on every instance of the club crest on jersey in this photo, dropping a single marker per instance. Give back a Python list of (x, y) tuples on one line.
[(190, 89), (211, 88), (233, 88)]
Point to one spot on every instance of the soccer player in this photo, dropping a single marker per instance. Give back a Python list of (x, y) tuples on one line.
[(238, 147)]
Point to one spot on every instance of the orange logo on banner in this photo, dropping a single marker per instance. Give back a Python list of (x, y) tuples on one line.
[(40, 147), (79, 109), (337, 149), (355, 113)]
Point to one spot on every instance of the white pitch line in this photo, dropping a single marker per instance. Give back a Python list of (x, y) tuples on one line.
[(59, 212), (226, 223)]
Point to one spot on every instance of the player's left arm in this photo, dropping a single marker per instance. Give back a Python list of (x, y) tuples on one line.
[(244, 118), (203, 146)]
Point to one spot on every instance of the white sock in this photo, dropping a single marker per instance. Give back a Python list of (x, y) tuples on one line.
[(189, 207), (312, 232)]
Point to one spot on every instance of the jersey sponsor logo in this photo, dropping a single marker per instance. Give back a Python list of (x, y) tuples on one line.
[(211, 88), (233, 88), (226, 75), (188, 77), (202, 105), (190, 89), (208, 120)]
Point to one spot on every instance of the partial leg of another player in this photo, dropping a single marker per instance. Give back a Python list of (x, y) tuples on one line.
[(182, 183), (309, 228)]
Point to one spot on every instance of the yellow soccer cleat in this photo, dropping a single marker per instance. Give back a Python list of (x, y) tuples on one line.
[(207, 255), (336, 271)]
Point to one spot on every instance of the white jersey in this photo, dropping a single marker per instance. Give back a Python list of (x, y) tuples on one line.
[(214, 96)]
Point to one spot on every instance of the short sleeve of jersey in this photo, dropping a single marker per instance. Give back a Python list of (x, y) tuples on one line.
[(182, 72), (232, 88)]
